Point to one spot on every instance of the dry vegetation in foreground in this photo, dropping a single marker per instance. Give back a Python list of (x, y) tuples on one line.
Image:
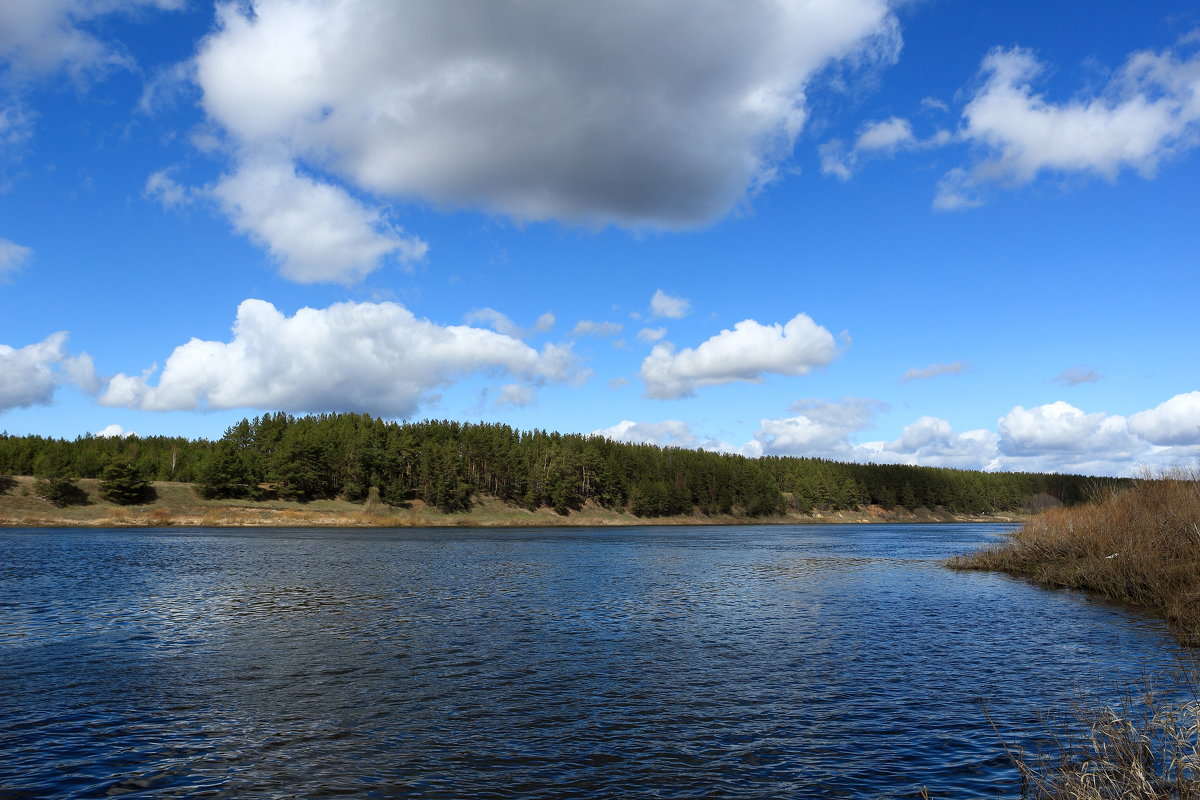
[(1145, 748), (1139, 546)]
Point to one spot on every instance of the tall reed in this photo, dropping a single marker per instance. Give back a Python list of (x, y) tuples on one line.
[(1139, 546), (1144, 748)]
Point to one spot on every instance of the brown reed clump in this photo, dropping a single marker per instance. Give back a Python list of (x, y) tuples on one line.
[(1139, 546), (1146, 748)]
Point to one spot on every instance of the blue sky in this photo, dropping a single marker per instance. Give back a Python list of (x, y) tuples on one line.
[(959, 234)]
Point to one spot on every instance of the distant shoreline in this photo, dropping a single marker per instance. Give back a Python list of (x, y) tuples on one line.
[(178, 505)]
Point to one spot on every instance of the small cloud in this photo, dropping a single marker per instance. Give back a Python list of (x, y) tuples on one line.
[(617, 383), (932, 371), (746, 353), (956, 191), (671, 432), (501, 323), (664, 305), (1073, 376), (887, 134), (650, 335), (12, 257), (496, 320), (516, 395), (162, 187), (933, 104), (114, 431), (878, 139), (835, 160), (586, 327)]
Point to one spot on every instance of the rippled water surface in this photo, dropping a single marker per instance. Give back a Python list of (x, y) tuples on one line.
[(756, 662)]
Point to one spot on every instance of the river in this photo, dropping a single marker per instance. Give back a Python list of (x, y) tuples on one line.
[(655, 662)]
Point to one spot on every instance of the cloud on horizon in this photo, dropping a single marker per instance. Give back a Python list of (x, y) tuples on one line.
[(1055, 437)]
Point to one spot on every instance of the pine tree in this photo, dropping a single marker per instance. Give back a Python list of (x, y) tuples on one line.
[(124, 485)]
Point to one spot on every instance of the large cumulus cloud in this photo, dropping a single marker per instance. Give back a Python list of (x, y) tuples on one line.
[(662, 115), (374, 357)]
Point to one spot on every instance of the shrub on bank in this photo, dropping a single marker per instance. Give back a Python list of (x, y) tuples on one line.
[(1139, 545)]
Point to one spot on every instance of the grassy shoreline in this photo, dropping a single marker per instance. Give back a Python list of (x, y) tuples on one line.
[(1139, 546), (179, 505)]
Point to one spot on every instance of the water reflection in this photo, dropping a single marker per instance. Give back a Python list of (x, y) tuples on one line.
[(818, 662)]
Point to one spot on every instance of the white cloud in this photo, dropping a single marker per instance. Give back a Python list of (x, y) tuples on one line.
[(877, 139), (373, 357), (888, 134), (933, 104), (1174, 422), (650, 335), (1055, 437), (1149, 111), (587, 327), (665, 305), (496, 320), (931, 442), (16, 125), (821, 429), (161, 186), (516, 395), (501, 323), (1073, 376), (956, 191), (114, 431), (1060, 427), (317, 231), (932, 371), (745, 353), (12, 257), (42, 36), (29, 375), (660, 114), (671, 432)]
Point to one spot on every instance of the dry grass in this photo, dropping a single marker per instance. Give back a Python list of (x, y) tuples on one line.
[(1139, 546), (1145, 748)]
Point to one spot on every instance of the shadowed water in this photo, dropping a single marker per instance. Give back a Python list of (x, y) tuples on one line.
[(699, 662)]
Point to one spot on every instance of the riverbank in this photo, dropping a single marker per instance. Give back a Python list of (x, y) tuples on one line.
[(1139, 546), (178, 504)]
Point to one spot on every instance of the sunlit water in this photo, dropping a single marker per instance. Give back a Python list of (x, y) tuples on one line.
[(764, 662)]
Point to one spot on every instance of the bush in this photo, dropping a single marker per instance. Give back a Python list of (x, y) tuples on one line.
[(60, 492)]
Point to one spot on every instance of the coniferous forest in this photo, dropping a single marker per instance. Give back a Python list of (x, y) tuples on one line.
[(449, 465)]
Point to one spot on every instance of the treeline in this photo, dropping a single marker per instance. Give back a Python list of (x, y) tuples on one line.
[(450, 464)]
